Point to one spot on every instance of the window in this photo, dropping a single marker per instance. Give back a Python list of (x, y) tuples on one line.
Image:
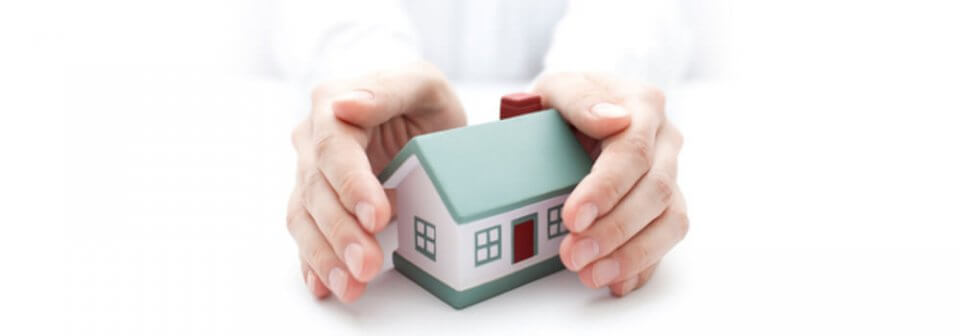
[(487, 245), (555, 226), (425, 237)]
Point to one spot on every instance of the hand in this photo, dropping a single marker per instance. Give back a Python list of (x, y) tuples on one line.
[(627, 212), (355, 128)]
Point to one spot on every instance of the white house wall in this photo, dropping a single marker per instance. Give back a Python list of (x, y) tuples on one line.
[(455, 245), (472, 275), (416, 196)]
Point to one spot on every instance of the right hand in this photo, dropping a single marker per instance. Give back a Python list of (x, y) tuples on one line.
[(355, 128)]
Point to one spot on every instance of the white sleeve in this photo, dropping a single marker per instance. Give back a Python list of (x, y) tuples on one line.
[(646, 40), (322, 40)]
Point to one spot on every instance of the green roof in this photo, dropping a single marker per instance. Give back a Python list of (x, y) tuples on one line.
[(487, 169)]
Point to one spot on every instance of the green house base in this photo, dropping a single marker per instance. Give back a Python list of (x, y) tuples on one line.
[(462, 299)]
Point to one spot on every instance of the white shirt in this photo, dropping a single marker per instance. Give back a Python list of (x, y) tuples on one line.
[(475, 40)]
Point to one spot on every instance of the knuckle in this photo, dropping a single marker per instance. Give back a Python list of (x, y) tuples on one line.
[(683, 224), (547, 84), (303, 166), (629, 285), (653, 95), (607, 189), (312, 179), (620, 230), (299, 133), (350, 183), (663, 185), (643, 277), (640, 147), (339, 228), (433, 83), (291, 218), (433, 77), (670, 132), (323, 141), (638, 256), (319, 255)]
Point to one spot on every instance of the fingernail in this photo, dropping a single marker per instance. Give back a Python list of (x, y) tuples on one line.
[(584, 252), (607, 110), (353, 256), (605, 271), (338, 282), (312, 283), (356, 95), (585, 216), (364, 212)]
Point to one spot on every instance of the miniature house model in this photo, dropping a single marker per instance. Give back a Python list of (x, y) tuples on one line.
[(478, 208)]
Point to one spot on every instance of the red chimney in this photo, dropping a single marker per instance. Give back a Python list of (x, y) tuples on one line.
[(516, 104)]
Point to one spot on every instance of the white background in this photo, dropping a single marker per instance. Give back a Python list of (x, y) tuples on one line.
[(147, 166)]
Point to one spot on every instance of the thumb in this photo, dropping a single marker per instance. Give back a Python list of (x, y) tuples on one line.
[(590, 108), (412, 90)]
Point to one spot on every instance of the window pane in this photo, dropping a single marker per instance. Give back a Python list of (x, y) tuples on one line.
[(430, 247), (487, 245), (419, 241), (430, 232)]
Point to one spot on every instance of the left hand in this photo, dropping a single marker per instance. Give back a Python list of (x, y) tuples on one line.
[(627, 213)]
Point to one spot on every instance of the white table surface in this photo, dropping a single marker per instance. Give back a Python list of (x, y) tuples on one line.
[(177, 181)]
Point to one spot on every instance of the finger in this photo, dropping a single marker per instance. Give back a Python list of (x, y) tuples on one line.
[(645, 202), (352, 245), (413, 90), (316, 288), (343, 162), (642, 251), (316, 253), (625, 158), (623, 288), (301, 138), (595, 106)]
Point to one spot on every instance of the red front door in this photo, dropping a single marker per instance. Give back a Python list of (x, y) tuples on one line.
[(524, 240)]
